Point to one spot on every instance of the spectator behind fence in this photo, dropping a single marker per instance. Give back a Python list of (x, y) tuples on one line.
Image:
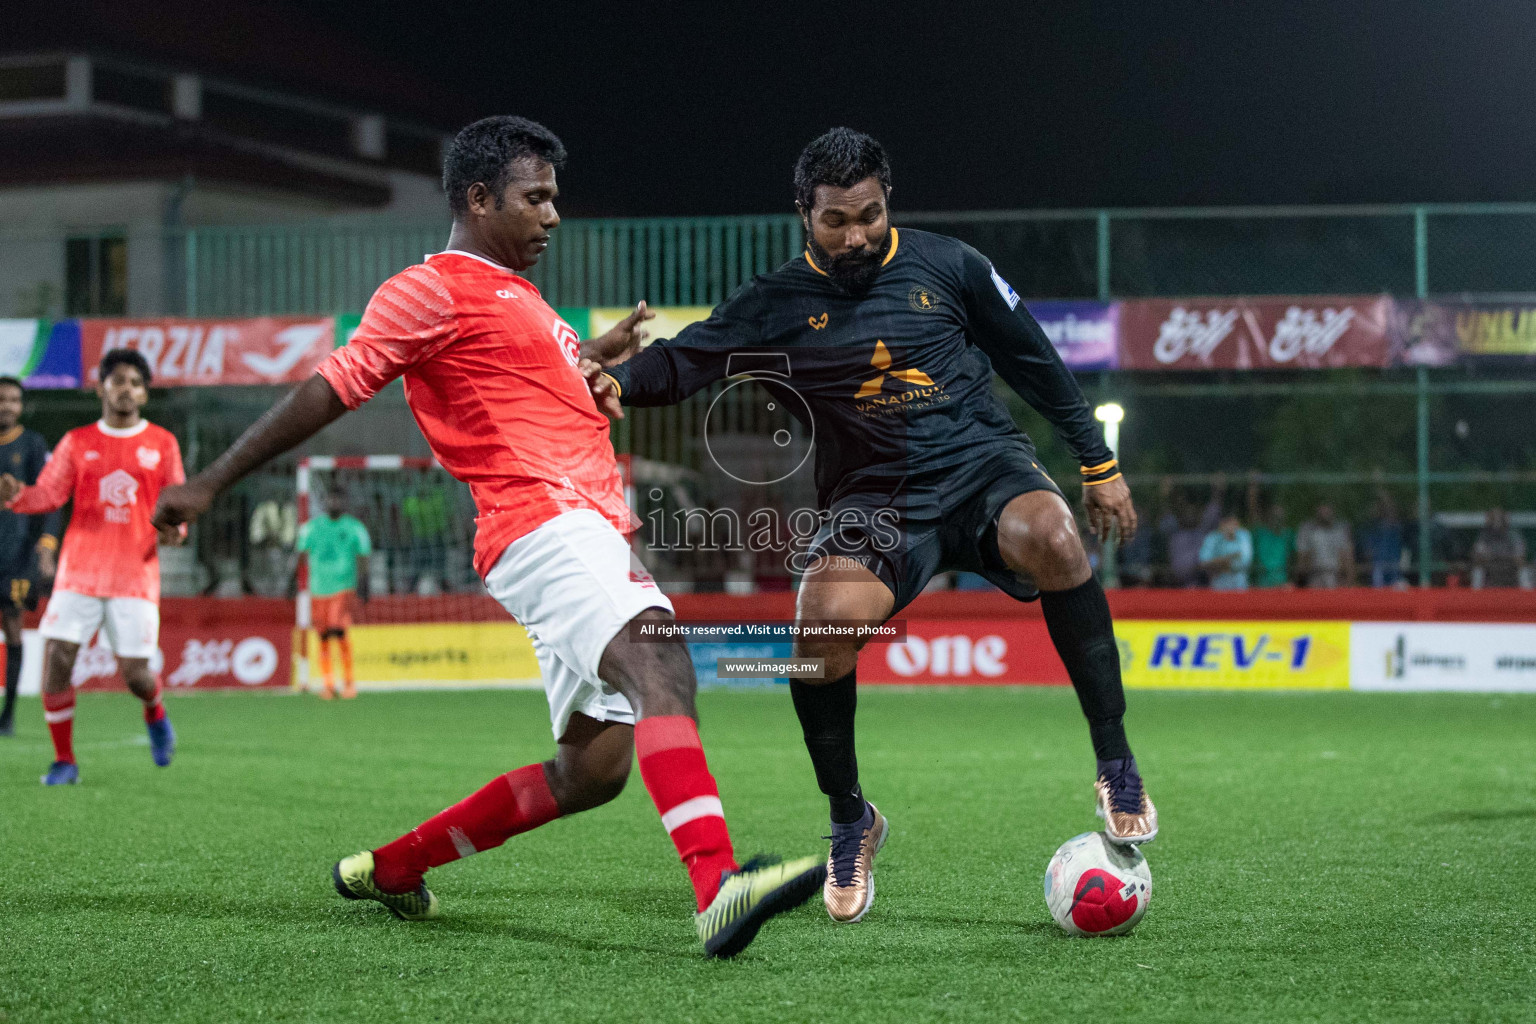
[(1498, 554), (1273, 542), (1136, 560), (1184, 526), (1225, 555), (1325, 552), (1382, 544)]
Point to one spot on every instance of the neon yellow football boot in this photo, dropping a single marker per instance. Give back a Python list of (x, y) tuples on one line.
[(763, 888), (354, 881)]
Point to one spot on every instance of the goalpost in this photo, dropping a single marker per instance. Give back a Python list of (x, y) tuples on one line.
[(428, 622)]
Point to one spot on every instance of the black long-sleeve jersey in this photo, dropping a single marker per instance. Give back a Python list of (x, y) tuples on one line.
[(22, 454), (896, 379)]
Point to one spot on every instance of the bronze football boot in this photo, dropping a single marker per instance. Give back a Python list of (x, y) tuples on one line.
[(1129, 816), (850, 886)]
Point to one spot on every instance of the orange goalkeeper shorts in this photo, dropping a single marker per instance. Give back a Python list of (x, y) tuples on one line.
[(332, 612)]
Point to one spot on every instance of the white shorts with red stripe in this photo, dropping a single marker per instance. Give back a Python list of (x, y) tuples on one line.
[(574, 583), (131, 624)]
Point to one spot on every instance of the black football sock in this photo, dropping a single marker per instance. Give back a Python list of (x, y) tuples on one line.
[(1084, 635), (826, 718), (12, 680)]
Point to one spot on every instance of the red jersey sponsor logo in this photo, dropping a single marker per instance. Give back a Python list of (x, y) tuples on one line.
[(118, 490)]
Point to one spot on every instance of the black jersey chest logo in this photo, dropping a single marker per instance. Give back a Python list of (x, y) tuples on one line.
[(922, 300), (817, 322), (881, 361)]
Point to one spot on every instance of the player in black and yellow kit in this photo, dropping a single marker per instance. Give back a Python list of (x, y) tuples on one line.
[(28, 544), (891, 337)]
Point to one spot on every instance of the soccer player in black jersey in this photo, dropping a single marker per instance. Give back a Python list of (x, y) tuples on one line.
[(892, 337), (28, 544)]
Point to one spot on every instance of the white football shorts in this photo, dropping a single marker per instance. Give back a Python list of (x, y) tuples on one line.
[(574, 583), (131, 624)]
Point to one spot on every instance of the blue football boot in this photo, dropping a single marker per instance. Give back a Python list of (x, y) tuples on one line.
[(162, 741), (61, 773)]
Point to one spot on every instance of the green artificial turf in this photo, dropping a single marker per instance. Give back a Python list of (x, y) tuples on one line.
[(1332, 857)]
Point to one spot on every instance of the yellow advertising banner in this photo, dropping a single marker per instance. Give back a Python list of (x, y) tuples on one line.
[(450, 654), (669, 322), (1234, 655)]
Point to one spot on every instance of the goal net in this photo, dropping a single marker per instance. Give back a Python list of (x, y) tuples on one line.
[(427, 620)]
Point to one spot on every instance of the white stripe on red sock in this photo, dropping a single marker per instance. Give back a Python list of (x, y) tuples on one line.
[(461, 842), (692, 810)]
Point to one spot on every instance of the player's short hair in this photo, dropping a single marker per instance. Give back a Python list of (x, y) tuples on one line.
[(484, 152), (841, 158), (9, 381), (124, 357)]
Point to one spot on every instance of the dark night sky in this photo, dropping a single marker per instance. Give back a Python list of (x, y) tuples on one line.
[(701, 108)]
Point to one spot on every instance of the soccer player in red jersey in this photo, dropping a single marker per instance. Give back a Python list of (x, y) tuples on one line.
[(109, 568), (491, 377)]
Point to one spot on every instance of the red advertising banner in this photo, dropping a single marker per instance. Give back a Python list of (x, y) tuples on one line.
[(244, 645), (1273, 333), (203, 658), (969, 651), (256, 350)]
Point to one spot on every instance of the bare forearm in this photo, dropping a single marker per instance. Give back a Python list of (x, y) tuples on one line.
[(298, 416)]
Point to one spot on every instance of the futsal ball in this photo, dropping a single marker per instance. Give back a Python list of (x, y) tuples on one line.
[(1095, 887)]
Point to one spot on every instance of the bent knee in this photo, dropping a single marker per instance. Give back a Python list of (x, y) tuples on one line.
[(590, 787), (1050, 545), (606, 784)]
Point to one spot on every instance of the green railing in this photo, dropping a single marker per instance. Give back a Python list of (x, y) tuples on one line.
[(334, 265), (333, 268), (1255, 250)]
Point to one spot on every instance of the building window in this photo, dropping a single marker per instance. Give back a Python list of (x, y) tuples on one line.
[(132, 89), (413, 151), (96, 276), (32, 81), (277, 122)]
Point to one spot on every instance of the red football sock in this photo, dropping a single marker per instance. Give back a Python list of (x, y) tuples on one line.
[(59, 713), (677, 776), (509, 804), (344, 642), (154, 708)]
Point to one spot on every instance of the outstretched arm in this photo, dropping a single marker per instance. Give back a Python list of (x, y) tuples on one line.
[(298, 416), (669, 371), (55, 484), (1024, 357)]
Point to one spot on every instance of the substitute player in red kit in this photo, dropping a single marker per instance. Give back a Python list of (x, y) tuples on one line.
[(109, 568), (491, 378)]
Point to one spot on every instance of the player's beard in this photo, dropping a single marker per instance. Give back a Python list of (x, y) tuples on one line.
[(856, 269)]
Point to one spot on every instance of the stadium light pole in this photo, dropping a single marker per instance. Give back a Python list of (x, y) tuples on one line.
[(1110, 414)]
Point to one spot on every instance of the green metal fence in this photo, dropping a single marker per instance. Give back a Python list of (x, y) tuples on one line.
[(330, 268), (1266, 250), (334, 265)]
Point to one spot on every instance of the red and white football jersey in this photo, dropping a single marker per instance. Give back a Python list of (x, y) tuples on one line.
[(490, 375), (114, 476)]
